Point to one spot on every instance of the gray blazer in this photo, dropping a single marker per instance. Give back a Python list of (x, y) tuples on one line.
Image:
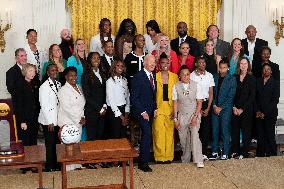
[(222, 47)]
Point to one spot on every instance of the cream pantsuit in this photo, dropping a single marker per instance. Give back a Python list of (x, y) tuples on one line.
[(188, 134)]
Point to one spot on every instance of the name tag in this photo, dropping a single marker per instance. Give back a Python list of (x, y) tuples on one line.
[(133, 62)]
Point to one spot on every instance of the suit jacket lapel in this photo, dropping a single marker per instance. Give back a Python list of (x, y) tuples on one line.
[(147, 80)]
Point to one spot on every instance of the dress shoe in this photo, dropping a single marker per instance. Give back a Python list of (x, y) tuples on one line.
[(145, 168), (48, 170)]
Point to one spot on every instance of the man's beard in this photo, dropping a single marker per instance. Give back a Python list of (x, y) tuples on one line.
[(68, 42)]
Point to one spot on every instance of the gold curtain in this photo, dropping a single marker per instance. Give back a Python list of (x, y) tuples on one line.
[(198, 14)]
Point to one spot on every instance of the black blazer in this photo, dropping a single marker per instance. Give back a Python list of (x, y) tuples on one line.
[(245, 93), (267, 97), (193, 44), (257, 70), (143, 97), (13, 76), (259, 43), (222, 47), (94, 92), (28, 100), (105, 67)]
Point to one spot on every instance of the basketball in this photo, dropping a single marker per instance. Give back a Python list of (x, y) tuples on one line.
[(70, 133)]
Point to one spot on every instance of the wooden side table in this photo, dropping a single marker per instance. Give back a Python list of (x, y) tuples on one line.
[(34, 157), (95, 152)]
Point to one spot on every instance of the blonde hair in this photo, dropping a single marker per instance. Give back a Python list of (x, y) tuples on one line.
[(158, 47), (76, 50), (26, 67)]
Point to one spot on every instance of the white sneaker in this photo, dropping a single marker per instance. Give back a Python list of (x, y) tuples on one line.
[(241, 157), (200, 165), (224, 157), (205, 158)]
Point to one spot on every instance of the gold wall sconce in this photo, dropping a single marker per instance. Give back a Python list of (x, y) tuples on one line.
[(5, 25), (279, 23)]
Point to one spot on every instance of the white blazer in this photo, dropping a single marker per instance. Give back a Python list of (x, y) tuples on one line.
[(32, 60), (48, 99), (71, 105)]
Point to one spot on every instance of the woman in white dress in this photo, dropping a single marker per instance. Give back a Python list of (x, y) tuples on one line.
[(151, 38)]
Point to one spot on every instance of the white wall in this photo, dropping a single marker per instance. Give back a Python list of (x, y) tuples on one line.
[(236, 15), (48, 17)]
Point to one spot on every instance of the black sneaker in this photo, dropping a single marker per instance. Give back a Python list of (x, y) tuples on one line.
[(214, 156)]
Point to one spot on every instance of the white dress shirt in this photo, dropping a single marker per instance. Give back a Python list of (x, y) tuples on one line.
[(96, 44), (109, 59), (117, 94), (180, 38), (97, 73), (251, 46), (205, 81), (20, 66), (148, 75)]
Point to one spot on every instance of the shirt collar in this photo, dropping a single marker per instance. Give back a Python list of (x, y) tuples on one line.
[(20, 66), (147, 72), (251, 42), (98, 71)]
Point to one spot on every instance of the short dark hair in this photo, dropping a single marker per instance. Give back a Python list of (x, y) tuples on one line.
[(265, 48), (164, 55), (225, 60), (184, 43), (70, 69), (17, 51), (207, 31), (183, 67), (31, 30), (154, 25), (265, 64), (199, 58), (105, 42)]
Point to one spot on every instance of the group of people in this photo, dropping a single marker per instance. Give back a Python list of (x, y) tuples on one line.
[(211, 92)]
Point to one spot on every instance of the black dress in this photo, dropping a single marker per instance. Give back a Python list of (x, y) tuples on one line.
[(211, 65), (28, 96)]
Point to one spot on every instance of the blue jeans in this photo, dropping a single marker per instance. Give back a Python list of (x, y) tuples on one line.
[(221, 122)]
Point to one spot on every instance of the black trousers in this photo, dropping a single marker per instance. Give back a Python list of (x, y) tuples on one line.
[(51, 139), (241, 123), (115, 127), (28, 136), (95, 125), (266, 144), (205, 129)]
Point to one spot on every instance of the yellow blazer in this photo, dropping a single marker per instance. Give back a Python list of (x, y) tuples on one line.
[(165, 108)]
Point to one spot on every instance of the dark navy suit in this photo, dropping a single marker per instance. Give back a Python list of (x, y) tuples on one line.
[(143, 100), (225, 100)]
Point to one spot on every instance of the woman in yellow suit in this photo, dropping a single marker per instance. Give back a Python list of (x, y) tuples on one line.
[(163, 125)]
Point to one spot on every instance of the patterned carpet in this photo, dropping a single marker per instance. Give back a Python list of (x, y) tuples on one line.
[(264, 173)]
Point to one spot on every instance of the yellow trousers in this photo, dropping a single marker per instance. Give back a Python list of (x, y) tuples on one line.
[(163, 138)]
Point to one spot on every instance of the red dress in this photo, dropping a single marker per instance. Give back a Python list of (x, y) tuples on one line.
[(173, 61), (189, 62)]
